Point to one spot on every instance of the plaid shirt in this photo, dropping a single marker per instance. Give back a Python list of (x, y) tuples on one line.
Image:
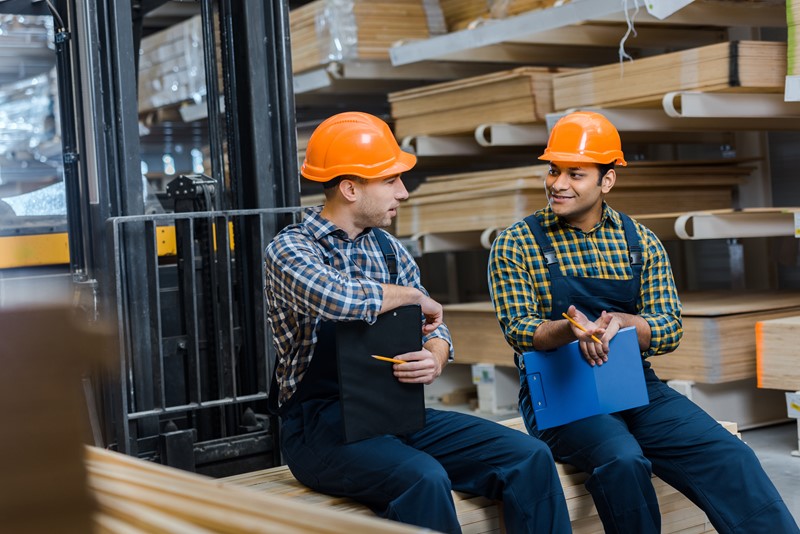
[(520, 283), (315, 272)]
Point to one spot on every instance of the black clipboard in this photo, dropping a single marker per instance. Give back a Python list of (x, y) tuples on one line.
[(373, 401)]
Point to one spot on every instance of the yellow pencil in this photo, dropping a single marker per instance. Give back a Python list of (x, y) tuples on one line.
[(576, 323), (385, 359)]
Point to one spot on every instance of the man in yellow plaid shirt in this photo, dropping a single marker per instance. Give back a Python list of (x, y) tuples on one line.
[(606, 271)]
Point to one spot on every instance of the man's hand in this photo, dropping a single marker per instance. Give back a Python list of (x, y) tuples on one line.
[(593, 352), (433, 314), (421, 367)]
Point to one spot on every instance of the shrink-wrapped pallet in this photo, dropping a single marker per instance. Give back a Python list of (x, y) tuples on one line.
[(323, 31)]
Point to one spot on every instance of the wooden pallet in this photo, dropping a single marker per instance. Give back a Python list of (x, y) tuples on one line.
[(521, 95), (745, 66), (719, 336), (476, 514)]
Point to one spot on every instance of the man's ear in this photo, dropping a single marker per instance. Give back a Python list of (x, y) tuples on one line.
[(608, 181), (348, 189)]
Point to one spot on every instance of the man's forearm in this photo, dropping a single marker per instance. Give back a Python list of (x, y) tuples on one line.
[(552, 334), (642, 327), (396, 296)]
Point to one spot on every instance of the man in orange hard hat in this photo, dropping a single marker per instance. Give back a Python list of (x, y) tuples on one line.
[(335, 266), (606, 271)]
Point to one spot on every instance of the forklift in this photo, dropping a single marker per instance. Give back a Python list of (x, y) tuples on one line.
[(181, 277)]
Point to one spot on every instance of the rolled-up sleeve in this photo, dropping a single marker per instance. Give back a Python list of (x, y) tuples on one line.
[(299, 278), (513, 292), (660, 305)]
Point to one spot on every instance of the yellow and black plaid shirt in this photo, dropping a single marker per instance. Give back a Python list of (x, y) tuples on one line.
[(520, 283)]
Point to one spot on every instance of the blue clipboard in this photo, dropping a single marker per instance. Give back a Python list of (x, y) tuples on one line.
[(564, 387)]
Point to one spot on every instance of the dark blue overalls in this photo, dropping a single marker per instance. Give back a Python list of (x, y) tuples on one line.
[(671, 436), (409, 478)]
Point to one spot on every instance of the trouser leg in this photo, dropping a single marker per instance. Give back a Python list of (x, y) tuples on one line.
[(395, 480), (619, 474), (716, 470), (488, 459)]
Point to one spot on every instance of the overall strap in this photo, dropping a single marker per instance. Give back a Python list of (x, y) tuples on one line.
[(635, 254), (547, 248), (388, 254)]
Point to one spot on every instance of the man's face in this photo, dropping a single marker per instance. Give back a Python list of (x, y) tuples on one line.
[(575, 191), (379, 200)]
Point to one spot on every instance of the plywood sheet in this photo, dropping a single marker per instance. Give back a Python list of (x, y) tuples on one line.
[(778, 353)]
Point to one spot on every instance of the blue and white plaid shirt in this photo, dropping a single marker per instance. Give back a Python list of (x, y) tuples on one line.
[(315, 272)]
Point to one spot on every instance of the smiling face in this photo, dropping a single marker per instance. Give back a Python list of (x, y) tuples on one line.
[(377, 203), (576, 190)]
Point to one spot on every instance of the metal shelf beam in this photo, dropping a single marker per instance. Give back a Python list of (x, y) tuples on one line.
[(568, 18)]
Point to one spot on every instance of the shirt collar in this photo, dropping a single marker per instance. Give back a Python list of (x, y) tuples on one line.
[(320, 227), (610, 216)]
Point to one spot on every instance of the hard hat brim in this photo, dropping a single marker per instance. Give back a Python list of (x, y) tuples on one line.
[(403, 162), (581, 158)]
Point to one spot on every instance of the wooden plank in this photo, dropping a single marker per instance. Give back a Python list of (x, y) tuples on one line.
[(778, 353), (751, 66), (516, 96), (499, 198), (719, 340), (41, 400)]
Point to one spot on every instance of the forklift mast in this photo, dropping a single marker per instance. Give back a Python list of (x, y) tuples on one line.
[(184, 287)]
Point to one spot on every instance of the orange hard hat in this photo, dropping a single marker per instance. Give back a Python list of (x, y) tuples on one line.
[(354, 143), (584, 136)]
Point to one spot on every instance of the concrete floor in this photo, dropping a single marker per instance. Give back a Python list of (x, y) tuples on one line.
[(773, 445)]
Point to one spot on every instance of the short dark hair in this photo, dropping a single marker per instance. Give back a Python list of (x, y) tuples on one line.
[(330, 185), (604, 168)]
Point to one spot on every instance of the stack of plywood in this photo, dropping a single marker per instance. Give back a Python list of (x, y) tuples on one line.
[(520, 95), (460, 14), (138, 496), (778, 353), (324, 31), (45, 352), (477, 336), (499, 198), (477, 514), (719, 335), (747, 66)]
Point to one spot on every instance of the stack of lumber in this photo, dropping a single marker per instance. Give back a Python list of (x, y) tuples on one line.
[(138, 496), (45, 352), (477, 514), (499, 198), (746, 66), (460, 14), (519, 95), (778, 353), (719, 334), (324, 31), (477, 336)]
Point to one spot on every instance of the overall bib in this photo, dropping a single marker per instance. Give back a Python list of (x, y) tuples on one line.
[(409, 478), (671, 436)]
